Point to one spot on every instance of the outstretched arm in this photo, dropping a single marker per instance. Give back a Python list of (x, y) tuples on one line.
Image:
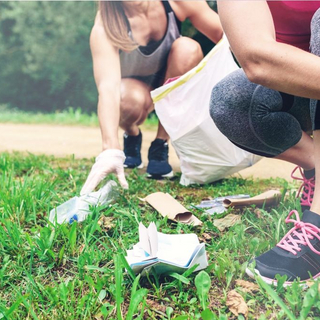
[(107, 75), (250, 30), (202, 17)]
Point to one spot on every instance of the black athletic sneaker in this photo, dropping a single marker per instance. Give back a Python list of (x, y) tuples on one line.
[(307, 187), (132, 148), (297, 255), (158, 166)]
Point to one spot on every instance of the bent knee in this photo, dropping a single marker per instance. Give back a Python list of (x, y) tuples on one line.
[(186, 52), (132, 99), (186, 46), (228, 93)]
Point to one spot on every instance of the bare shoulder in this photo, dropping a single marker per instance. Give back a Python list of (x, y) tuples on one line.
[(187, 9), (98, 33), (98, 27)]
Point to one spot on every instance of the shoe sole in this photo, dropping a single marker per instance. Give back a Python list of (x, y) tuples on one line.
[(274, 282), (140, 166), (159, 176)]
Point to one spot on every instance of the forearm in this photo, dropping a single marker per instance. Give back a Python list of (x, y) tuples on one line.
[(250, 29), (202, 17), (209, 24), (215, 34), (109, 115), (283, 68)]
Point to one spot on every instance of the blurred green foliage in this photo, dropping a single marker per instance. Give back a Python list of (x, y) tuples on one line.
[(45, 59)]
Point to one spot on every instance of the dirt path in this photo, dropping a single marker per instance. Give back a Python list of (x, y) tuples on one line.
[(85, 142)]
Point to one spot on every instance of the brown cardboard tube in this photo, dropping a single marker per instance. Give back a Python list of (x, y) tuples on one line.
[(167, 206), (268, 198)]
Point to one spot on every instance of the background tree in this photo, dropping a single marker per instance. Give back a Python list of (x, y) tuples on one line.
[(45, 57)]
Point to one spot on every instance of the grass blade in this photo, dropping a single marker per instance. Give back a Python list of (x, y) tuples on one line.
[(275, 298), (118, 278)]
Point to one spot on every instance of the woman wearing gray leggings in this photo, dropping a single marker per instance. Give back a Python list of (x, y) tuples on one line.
[(270, 108)]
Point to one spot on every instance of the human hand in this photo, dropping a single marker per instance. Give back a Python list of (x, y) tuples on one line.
[(108, 161)]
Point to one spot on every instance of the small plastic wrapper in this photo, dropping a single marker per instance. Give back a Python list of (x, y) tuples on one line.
[(216, 206), (77, 208)]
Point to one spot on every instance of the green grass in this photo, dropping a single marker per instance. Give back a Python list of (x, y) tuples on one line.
[(78, 271), (70, 116)]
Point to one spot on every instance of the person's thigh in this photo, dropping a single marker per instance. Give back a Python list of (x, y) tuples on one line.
[(256, 118), (136, 102)]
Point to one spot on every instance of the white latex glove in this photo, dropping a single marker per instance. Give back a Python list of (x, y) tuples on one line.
[(108, 161)]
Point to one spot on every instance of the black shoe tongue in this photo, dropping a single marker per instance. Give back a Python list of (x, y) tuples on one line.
[(311, 217)]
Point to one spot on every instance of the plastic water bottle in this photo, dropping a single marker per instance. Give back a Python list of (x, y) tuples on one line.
[(77, 208)]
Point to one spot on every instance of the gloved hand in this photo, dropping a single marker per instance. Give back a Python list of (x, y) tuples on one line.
[(108, 161)]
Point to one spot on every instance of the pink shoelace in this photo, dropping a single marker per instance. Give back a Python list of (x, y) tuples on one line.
[(301, 233), (307, 187)]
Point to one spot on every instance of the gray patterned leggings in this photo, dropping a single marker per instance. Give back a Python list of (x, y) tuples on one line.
[(261, 120)]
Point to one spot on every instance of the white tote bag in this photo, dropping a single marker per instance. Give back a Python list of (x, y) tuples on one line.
[(182, 106)]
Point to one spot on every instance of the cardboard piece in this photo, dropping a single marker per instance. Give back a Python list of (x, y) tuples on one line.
[(268, 198), (166, 252), (167, 206)]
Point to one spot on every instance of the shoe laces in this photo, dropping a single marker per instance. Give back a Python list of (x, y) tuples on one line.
[(300, 234), (306, 188)]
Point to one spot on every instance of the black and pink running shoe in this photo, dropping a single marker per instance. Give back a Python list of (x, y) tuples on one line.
[(297, 255), (306, 189)]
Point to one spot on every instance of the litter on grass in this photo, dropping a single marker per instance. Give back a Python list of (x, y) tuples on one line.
[(227, 221), (77, 208), (169, 207), (166, 252), (221, 204), (216, 205), (266, 199)]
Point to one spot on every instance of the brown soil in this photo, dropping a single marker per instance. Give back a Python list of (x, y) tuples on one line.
[(85, 142)]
